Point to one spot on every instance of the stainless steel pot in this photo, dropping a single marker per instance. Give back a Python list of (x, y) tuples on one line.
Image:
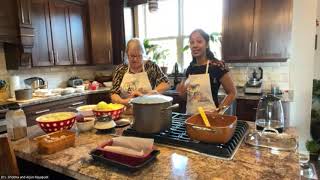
[(23, 94), (152, 113)]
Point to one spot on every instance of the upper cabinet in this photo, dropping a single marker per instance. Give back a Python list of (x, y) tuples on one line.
[(16, 32), (256, 30), (100, 28), (62, 37)]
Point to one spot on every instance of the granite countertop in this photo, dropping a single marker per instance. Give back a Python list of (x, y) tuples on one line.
[(171, 163), (40, 100)]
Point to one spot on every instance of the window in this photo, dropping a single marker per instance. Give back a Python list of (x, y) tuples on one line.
[(171, 25)]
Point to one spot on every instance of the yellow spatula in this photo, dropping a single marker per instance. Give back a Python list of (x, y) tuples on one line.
[(204, 117)]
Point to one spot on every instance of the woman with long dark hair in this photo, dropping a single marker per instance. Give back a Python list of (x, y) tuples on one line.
[(204, 75)]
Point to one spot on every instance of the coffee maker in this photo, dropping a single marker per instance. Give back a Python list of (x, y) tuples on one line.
[(254, 83)]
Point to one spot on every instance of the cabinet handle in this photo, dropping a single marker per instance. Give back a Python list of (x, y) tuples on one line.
[(254, 108), (256, 49), (43, 111), (22, 12), (249, 48), (109, 56), (121, 55), (77, 103), (76, 56), (57, 56), (51, 56)]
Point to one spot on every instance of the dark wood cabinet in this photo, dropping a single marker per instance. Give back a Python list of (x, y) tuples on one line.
[(70, 104), (256, 30), (246, 109), (42, 52), (97, 97), (61, 33), (100, 28), (16, 33)]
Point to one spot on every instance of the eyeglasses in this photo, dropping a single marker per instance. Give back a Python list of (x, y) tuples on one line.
[(134, 56)]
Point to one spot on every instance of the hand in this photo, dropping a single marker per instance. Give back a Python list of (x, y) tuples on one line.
[(182, 87), (134, 94), (152, 92)]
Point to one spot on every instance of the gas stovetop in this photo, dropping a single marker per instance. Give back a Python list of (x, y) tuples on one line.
[(177, 136)]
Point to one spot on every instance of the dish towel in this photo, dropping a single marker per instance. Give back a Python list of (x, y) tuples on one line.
[(131, 146)]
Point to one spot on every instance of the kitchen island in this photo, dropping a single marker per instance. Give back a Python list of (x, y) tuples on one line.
[(171, 163)]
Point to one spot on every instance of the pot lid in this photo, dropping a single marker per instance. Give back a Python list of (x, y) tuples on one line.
[(151, 99)]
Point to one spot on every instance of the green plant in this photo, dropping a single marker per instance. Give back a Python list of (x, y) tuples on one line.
[(155, 52), (313, 146), (315, 112)]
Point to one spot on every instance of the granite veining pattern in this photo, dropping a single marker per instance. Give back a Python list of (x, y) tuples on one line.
[(171, 163)]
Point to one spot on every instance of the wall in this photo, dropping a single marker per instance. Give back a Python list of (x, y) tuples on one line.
[(301, 65), (55, 76), (273, 73)]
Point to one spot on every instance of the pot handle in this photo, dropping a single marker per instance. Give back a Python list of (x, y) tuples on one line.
[(171, 107), (204, 129)]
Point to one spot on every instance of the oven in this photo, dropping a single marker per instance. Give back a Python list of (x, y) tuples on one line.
[(4, 108)]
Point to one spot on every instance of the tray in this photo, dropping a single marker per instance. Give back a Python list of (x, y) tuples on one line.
[(47, 144), (131, 166)]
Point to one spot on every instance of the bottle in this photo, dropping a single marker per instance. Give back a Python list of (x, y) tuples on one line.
[(16, 123)]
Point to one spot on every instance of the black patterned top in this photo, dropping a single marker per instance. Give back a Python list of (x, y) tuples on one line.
[(216, 70), (155, 75)]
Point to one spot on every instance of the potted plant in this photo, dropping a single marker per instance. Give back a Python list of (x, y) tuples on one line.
[(157, 54), (313, 147), (315, 111)]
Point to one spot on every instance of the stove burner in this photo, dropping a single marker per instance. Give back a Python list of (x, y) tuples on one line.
[(177, 136)]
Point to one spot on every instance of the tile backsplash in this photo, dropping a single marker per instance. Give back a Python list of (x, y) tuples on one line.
[(55, 76), (273, 73)]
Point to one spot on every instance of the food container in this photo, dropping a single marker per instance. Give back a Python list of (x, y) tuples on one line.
[(152, 113), (86, 125), (114, 113), (56, 121), (86, 110), (56, 141), (23, 94), (221, 130)]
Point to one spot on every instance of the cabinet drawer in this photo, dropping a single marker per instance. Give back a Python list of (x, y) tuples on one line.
[(70, 104), (246, 109)]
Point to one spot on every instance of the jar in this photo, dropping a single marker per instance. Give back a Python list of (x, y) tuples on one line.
[(16, 123)]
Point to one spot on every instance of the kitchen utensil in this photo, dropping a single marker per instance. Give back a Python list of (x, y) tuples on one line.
[(152, 113), (104, 122), (254, 83), (36, 83), (221, 131), (203, 116), (56, 121), (270, 114), (23, 94), (123, 122), (86, 110)]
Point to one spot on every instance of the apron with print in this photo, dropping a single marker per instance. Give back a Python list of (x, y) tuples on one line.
[(133, 82), (199, 93)]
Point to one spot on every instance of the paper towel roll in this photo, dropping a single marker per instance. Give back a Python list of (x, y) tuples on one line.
[(14, 83)]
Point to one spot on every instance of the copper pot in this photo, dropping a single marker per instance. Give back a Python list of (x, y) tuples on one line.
[(221, 130)]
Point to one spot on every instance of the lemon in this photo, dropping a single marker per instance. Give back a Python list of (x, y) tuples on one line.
[(102, 105)]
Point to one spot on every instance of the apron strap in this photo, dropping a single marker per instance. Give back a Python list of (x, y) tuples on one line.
[(207, 68)]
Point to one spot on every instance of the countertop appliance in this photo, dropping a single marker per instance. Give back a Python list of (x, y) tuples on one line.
[(36, 83), (176, 136), (254, 84), (74, 82), (4, 108)]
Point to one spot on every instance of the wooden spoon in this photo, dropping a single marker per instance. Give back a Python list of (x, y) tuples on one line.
[(204, 117)]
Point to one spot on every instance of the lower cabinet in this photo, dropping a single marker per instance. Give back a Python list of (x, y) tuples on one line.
[(70, 104), (246, 109), (97, 97)]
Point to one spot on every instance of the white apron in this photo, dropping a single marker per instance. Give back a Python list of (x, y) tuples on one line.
[(133, 82), (199, 93)]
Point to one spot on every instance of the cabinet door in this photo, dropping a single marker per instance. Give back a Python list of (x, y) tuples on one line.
[(272, 30), (42, 52), (59, 15), (8, 26), (77, 17), (237, 33), (246, 109), (100, 28)]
